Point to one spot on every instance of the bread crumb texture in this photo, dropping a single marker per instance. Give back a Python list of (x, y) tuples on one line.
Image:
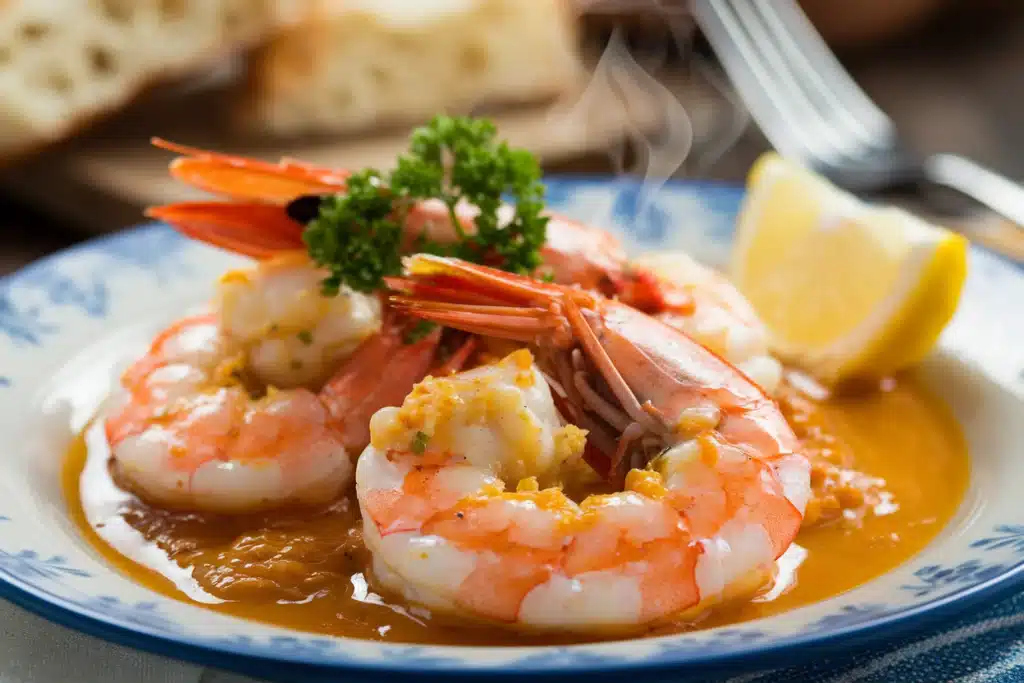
[(65, 62), (358, 64)]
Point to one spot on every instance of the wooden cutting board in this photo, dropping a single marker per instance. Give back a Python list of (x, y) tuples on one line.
[(103, 180)]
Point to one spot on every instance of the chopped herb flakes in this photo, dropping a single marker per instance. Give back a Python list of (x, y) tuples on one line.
[(419, 443)]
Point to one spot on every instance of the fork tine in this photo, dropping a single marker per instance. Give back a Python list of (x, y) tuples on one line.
[(806, 47), (747, 74), (831, 143), (772, 94), (840, 101), (826, 100)]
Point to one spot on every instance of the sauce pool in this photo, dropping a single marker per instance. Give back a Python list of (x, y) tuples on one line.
[(890, 470)]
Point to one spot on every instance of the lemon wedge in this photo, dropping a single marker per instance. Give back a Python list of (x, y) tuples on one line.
[(847, 290)]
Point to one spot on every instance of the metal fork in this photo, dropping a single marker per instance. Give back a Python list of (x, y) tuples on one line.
[(810, 108)]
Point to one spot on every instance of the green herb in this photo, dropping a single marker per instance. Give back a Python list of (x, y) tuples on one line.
[(419, 331), (355, 235), (459, 159), (419, 443), (358, 235), (306, 337)]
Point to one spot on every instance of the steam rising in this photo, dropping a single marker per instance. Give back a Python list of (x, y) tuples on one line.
[(710, 127), (734, 121), (619, 78), (679, 119)]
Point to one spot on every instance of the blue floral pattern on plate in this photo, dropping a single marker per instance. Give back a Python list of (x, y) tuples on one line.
[(1007, 536), (56, 308), (30, 567), (24, 313)]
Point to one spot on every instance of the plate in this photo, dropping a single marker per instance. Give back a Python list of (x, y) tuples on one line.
[(67, 323)]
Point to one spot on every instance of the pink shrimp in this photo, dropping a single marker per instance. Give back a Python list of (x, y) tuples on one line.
[(188, 432), (721, 318), (711, 484), (255, 222)]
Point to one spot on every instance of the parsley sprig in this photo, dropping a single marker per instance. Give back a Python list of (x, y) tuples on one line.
[(358, 235)]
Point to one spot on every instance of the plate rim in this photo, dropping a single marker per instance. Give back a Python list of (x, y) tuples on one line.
[(736, 657)]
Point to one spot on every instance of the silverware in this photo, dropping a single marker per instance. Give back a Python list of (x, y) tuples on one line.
[(810, 108)]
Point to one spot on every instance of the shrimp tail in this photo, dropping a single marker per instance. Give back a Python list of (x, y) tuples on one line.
[(256, 230), (573, 254), (380, 373), (254, 222), (244, 179)]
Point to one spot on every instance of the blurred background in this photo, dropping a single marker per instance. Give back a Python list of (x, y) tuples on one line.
[(601, 86)]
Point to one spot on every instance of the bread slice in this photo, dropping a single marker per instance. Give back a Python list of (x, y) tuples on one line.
[(64, 62), (363, 63)]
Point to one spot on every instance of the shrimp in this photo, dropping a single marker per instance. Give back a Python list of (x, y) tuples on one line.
[(190, 430), (721, 318), (263, 402), (269, 205), (271, 202), (711, 487), (188, 434), (463, 513), (292, 335), (621, 371)]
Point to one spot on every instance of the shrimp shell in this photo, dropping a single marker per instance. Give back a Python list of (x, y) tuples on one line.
[(464, 533)]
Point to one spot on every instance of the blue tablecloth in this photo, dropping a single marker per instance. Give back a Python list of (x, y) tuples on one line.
[(986, 646)]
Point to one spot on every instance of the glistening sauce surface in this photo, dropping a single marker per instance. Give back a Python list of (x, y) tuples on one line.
[(306, 569)]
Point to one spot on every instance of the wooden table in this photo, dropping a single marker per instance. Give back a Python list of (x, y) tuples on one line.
[(956, 89)]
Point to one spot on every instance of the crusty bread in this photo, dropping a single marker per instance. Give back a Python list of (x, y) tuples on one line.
[(65, 62), (363, 63)]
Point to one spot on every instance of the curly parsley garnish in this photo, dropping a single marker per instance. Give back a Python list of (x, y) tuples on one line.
[(358, 235)]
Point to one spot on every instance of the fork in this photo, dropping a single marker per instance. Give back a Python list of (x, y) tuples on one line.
[(810, 108)]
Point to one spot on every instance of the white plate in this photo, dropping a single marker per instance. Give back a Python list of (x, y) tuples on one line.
[(65, 322)]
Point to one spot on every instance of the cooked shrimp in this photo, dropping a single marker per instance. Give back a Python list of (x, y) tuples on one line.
[(188, 430), (263, 198), (292, 335), (705, 521), (674, 287), (188, 434), (721, 318), (622, 373)]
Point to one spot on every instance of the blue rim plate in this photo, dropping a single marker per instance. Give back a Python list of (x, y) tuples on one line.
[(66, 319)]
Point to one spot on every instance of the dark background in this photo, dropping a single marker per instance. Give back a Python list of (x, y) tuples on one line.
[(953, 84)]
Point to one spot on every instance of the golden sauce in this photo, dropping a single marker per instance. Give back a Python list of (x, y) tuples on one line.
[(305, 569)]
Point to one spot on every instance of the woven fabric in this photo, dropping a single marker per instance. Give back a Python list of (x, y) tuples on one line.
[(984, 647)]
